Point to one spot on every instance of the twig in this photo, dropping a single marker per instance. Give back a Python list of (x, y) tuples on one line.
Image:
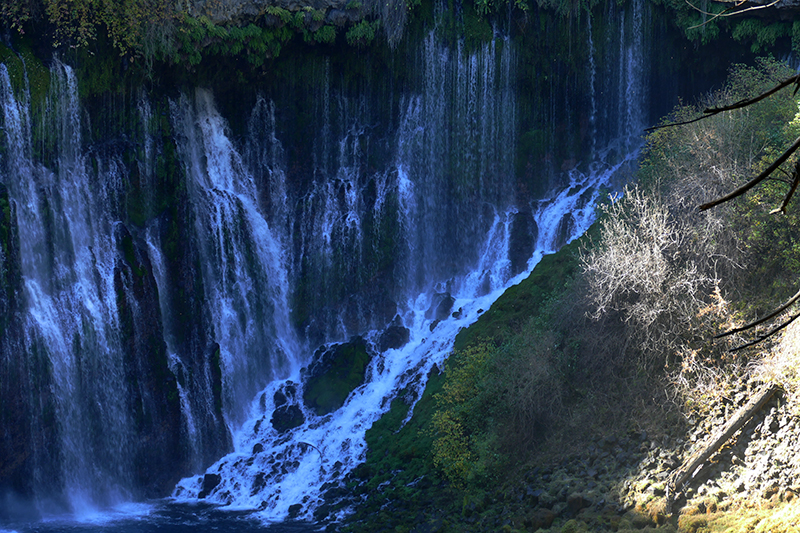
[(795, 183), (755, 181), (775, 313)]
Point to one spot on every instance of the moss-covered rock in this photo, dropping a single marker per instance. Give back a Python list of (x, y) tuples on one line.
[(333, 375)]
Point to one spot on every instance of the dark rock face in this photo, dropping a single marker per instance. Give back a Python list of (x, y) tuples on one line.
[(333, 375), (441, 306), (152, 390), (395, 336), (523, 235)]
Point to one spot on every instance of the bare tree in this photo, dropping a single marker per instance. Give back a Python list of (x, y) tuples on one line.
[(793, 174)]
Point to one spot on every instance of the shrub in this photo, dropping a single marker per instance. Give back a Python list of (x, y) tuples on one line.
[(665, 271)]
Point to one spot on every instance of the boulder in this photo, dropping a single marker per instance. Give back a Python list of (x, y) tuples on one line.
[(210, 482), (287, 417), (395, 336), (335, 371), (441, 305)]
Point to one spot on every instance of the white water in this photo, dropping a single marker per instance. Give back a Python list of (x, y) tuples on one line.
[(66, 222), (244, 263), (454, 218), (292, 467), (270, 471)]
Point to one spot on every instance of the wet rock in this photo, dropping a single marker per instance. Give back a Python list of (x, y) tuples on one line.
[(285, 394), (259, 483), (294, 510), (522, 240), (287, 417), (395, 336), (210, 482), (441, 305), (335, 372)]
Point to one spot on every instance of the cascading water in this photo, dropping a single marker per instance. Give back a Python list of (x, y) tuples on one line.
[(275, 262), (68, 255), (281, 472), (243, 262)]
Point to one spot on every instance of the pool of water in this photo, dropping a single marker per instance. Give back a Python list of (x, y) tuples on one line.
[(158, 516)]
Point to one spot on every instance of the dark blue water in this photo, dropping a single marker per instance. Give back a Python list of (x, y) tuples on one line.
[(158, 516)]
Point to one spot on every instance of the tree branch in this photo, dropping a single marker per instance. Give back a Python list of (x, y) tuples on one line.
[(770, 316), (727, 12), (766, 335), (755, 181)]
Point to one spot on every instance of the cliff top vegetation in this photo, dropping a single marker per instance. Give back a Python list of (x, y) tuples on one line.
[(182, 32)]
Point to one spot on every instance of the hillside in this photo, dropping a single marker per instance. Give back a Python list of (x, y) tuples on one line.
[(571, 402)]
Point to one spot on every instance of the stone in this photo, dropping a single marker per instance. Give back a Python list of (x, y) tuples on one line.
[(576, 502), (210, 482), (441, 305), (335, 371), (294, 510), (395, 336), (540, 519), (287, 417)]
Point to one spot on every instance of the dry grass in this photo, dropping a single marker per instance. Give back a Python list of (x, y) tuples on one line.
[(782, 363), (783, 518)]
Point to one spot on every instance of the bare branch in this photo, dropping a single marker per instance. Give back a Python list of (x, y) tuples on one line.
[(710, 112), (766, 335), (795, 183), (749, 101), (755, 181), (770, 316), (727, 12)]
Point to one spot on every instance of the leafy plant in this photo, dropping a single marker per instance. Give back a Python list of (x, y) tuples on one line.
[(363, 33)]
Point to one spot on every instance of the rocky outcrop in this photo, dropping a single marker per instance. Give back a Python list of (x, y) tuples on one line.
[(335, 372), (337, 12)]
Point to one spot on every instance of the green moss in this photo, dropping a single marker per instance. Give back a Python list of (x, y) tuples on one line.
[(513, 309), (16, 70), (339, 371), (25, 62), (399, 462)]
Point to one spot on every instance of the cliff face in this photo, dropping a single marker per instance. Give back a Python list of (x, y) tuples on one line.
[(339, 13), (238, 11)]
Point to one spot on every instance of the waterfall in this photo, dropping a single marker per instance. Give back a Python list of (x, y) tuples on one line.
[(454, 145), (68, 250), (592, 87), (156, 340), (244, 273)]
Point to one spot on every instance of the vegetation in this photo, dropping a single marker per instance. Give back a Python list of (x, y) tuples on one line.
[(613, 333), (704, 23)]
